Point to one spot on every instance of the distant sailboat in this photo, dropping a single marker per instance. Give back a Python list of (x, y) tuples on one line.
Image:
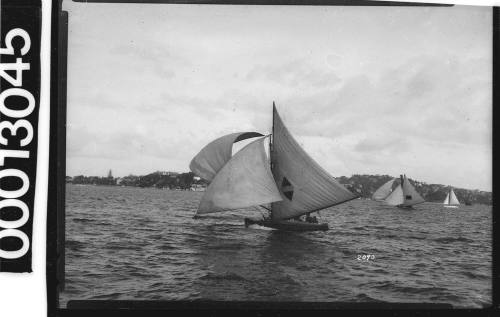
[(383, 191), (404, 195), (290, 181), (451, 200)]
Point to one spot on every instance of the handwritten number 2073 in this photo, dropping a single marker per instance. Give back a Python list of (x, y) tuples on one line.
[(366, 257)]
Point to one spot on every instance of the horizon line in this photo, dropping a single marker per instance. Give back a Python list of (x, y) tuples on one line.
[(475, 189)]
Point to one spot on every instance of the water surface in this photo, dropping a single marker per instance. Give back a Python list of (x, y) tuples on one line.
[(142, 243)]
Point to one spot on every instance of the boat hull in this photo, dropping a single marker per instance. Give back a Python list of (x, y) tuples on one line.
[(450, 206), (288, 225), (405, 207)]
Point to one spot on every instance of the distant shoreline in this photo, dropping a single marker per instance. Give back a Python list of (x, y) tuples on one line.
[(189, 190), (362, 185), (138, 187)]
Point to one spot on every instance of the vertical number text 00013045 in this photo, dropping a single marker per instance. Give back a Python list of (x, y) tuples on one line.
[(15, 104)]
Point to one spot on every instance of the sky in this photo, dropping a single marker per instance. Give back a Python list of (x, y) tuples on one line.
[(364, 90)]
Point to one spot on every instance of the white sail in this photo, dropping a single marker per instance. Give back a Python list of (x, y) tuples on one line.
[(453, 198), (447, 199), (216, 154), (410, 195), (245, 180), (304, 185), (383, 191), (396, 197)]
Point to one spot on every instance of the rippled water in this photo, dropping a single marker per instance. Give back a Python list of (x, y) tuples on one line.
[(142, 243)]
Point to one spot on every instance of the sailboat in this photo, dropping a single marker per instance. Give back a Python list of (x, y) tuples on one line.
[(404, 195), (451, 200), (288, 184), (383, 191)]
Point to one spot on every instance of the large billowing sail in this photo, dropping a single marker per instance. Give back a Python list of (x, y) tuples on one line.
[(245, 180), (453, 198), (410, 195), (396, 197), (383, 191), (304, 185), (216, 154)]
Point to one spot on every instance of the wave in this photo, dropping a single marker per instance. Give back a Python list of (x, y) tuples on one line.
[(261, 227), (388, 286), (228, 276), (83, 220), (74, 245), (452, 239), (115, 245), (359, 228), (476, 275), (362, 297), (167, 247), (225, 246)]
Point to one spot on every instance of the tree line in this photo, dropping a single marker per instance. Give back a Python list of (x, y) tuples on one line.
[(157, 179), (363, 185)]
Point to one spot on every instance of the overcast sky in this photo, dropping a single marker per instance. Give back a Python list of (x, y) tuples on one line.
[(375, 90)]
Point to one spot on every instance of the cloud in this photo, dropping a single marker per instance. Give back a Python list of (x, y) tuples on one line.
[(379, 144), (424, 98), (148, 87), (295, 73), (154, 57)]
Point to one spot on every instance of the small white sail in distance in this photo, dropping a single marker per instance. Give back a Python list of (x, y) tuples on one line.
[(447, 199), (451, 198), (245, 180), (396, 197), (410, 195), (383, 191)]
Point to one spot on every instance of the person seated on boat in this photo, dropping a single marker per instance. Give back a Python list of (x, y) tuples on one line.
[(312, 219)]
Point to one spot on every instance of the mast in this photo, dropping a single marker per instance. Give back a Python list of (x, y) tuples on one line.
[(271, 141), (402, 180), (271, 159)]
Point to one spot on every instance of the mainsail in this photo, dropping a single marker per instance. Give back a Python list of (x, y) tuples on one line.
[(304, 185), (447, 199), (383, 191), (245, 180), (396, 197), (216, 154), (451, 198), (410, 195)]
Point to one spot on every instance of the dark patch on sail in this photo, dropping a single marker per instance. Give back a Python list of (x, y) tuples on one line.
[(247, 135), (287, 188), (408, 197), (288, 195)]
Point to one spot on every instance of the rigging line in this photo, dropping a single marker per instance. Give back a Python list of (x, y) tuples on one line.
[(265, 207), (259, 210), (316, 210)]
